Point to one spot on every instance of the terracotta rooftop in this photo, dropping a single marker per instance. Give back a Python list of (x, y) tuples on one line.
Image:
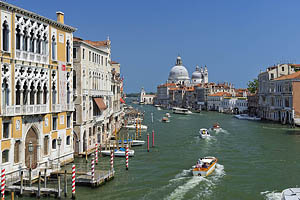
[(295, 75), (219, 94), (93, 43), (114, 62)]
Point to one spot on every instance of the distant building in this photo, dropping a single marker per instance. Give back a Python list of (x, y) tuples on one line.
[(146, 98)]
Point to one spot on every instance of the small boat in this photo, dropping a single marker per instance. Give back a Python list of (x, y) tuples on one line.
[(247, 117), (133, 142), (133, 127), (216, 126), (183, 111), (205, 166), (118, 152), (290, 194), (165, 119), (158, 108), (168, 115), (204, 133)]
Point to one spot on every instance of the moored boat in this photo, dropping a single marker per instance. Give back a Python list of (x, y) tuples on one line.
[(118, 152), (205, 166), (247, 117), (133, 127), (290, 194), (133, 142), (182, 111), (204, 133)]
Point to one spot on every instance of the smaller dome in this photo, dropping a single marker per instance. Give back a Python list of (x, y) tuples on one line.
[(197, 74)]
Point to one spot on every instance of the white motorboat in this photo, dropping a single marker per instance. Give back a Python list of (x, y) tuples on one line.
[(290, 194), (133, 142), (168, 115), (165, 119), (183, 111), (158, 108), (133, 127), (204, 133), (205, 166), (247, 117), (118, 152)]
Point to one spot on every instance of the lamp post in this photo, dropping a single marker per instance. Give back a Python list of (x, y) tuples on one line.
[(58, 143), (30, 149)]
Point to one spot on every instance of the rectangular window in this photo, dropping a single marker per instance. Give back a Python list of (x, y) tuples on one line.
[(68, 121), (105, 61), (89, 56), (5, 155), (74, 52), (17, 152), (5, 130), (54, 123), (282, 68), (83, 52), (46, 144), (101, 60)]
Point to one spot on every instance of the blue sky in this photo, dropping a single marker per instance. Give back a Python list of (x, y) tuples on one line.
[(234, 38)]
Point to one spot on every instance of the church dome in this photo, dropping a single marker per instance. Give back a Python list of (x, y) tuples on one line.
[(197, 74), (179, 72)]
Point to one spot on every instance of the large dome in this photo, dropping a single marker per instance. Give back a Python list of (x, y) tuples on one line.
[(179, 72), (197, 74)]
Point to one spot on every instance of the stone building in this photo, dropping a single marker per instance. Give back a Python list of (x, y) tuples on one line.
[(93, 96), (146, 98), (36, 84)]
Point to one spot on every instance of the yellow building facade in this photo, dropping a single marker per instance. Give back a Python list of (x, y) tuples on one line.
[(36, 90)]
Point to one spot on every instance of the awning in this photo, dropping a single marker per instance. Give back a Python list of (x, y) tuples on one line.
[(100, 103), (122, 101)]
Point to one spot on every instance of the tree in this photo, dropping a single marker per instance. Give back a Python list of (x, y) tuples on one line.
[(253, 86)]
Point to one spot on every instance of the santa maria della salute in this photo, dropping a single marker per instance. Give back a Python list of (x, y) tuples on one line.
[(180, 75)]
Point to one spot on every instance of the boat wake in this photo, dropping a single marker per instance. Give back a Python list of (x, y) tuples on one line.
[(271, 195), (206, 187)]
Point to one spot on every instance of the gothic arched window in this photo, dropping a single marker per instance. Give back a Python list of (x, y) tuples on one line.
[(68, 51), (5, 36), (38, 44), (18, 38), (5, 93), (53, 45), (25, 40), (32, 40)]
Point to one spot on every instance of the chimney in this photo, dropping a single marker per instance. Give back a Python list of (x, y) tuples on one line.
[(60, 17)]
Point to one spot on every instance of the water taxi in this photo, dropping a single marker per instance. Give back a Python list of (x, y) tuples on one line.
[(247, 117), (118, 152), (183, 111), (205, 166), (290, 194), (133, 127), (165, 119), (204, 133), (216, 126)]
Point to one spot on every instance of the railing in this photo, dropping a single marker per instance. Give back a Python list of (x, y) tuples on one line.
[(24, 110), (33, 57), (56, 108), (101, 93), (70, 107)]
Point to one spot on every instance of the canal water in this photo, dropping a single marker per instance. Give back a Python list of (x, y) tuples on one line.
[(257, 160)]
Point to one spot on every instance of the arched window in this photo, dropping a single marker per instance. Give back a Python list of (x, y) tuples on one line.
[(38, 94), (68, 140), (32, 91), (45, 91), (5, 156), (53, 45), (44, 44), (74, 80), (68, 51), (5, 36), (74, 116), (25, 40), (54, 144), (18, 38), (38, 44), (32, 40), (5, 93), (18, 93), (53, 94)]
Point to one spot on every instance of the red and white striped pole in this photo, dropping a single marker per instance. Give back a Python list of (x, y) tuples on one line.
[(73, 181), (3, 184), (148, 142), (112, 159), (152, 138), (96, 156), (93, 170), (127, 157)]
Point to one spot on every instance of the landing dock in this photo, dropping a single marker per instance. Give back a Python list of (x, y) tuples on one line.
[(101, 177)]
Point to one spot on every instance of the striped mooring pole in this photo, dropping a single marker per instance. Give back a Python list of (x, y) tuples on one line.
[(96, 152), (73, 181), (3, 184), (112, 159), (153, 138), (93, 169), (148, 142), (127, 157)]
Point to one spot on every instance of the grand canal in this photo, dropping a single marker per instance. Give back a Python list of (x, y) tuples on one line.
[(257, 160)]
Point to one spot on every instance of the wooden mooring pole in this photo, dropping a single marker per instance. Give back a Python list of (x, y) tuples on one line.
[(45, 178), (65, 186), (148, 142), (58, 192), (22, 182), (39, 186)]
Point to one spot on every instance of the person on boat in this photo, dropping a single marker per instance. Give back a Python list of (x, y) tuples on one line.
[(203, 132), (204, 165)]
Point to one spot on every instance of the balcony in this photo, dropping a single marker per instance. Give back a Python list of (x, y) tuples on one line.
[(56, 108), (31, 57), (24, 110), (70, 107), (101, 93)]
